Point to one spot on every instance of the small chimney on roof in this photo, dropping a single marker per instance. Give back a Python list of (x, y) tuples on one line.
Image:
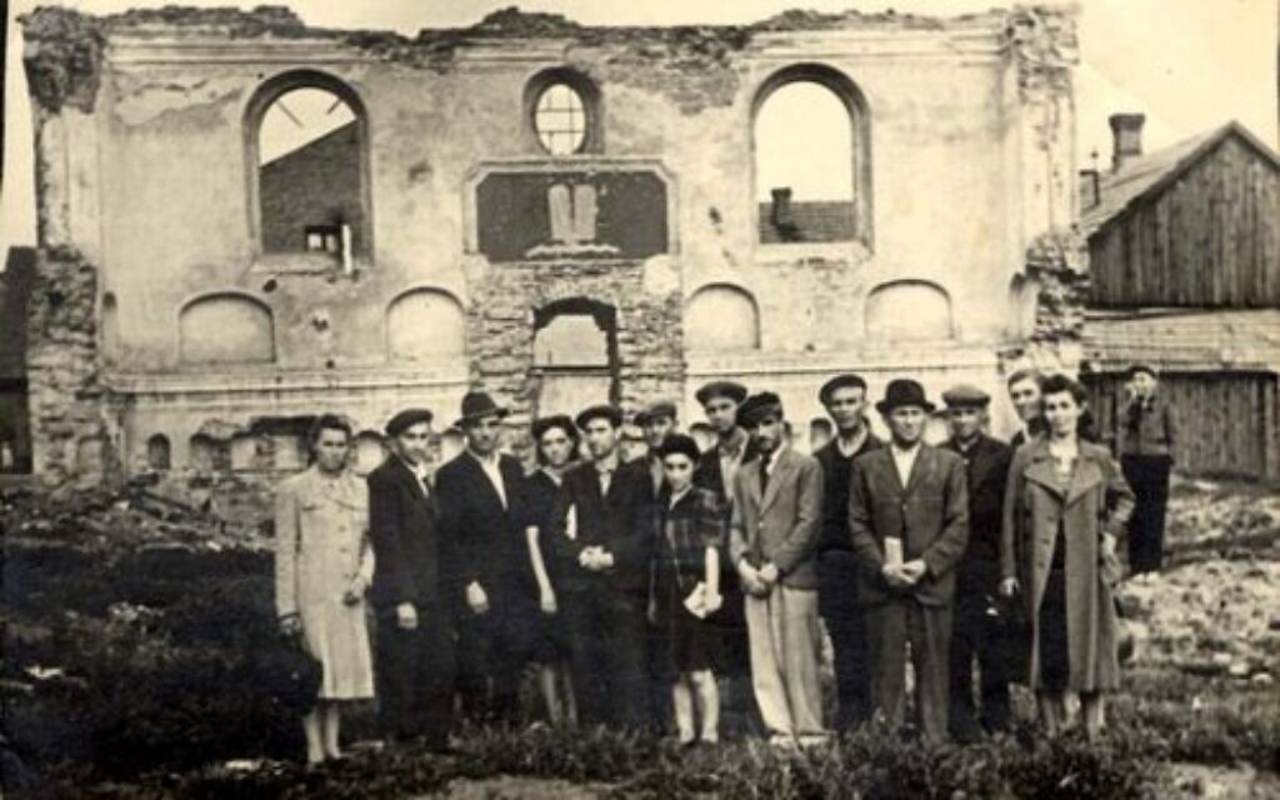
[(1126, 131), (780, 214)]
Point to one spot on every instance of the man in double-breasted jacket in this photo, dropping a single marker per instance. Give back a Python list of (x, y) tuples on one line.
[(909, 520), (601, 530), (410, 591), (481, 502)]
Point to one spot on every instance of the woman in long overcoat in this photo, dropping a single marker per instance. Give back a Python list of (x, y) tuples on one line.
[(324, 565), (1066, 506)]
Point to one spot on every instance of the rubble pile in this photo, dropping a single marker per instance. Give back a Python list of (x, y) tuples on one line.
[(1215, 609)]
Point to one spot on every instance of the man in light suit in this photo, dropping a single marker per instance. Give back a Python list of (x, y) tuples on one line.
[(909, 519), (482, 519), (777, 516)]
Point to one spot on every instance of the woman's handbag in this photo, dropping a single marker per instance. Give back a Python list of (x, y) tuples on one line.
[(290, 674)]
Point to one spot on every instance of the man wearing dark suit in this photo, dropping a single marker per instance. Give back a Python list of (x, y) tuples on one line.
[(601, 530), (845, 398), (415, 652), (909, 520), (481, 514), (976, 632)]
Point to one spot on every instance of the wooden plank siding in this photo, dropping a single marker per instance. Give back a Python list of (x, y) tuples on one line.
[(1209, 239), (1228, 422)]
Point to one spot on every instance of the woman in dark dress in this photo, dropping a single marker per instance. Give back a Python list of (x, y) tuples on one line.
[(690, 531), (556, 440), (1066, 506)]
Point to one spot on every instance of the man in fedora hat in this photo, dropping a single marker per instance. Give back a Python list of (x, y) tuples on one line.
[(977, 634), (601, 529), (909, 519), (410, 589), (845, 399), (777, 514), (480, 499)]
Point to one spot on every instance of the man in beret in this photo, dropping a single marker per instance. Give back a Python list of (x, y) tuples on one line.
[(720, 401), (601, 531), (481, 519), (411, 589), (909, 519), (976, 634), (777, 517), (845, 399)]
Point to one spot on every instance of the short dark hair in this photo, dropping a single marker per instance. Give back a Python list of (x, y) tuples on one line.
[(1021, 375), (1056, 384), (331, 422), (550, 423)]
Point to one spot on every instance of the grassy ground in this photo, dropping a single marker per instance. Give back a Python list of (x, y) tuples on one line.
[(137, 664)]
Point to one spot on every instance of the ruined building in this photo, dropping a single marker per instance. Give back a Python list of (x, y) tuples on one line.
[(552, 212)]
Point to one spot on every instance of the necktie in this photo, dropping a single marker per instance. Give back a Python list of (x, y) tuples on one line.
[(764, 473)]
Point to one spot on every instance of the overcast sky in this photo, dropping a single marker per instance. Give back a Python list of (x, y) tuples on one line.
[(1189, 65)]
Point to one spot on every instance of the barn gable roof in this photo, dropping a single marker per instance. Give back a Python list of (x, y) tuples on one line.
[(1148, 175)]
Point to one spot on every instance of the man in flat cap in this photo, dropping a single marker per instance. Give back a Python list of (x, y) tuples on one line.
[(411, 589), (845, 399), (658, 421), (976, 632), (601, 530), (777, 517), (481, 518), (733, 447), (909, 518)]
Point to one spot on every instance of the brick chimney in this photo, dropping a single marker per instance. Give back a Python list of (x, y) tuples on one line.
[(1126, 131), (780, 214)]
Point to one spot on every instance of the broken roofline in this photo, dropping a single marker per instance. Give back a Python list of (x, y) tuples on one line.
[(279, 21)]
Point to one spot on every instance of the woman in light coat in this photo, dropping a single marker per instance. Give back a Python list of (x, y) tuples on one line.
[(1066, 506), (324, 564)]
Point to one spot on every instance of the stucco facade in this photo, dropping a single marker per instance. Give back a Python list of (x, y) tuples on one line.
[(148, 189)]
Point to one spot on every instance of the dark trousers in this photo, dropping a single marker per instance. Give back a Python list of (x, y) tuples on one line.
[(491, 657), (1148, 476), (848, 631), (977, 638), (607, 634), (415, 673), (891, 627)]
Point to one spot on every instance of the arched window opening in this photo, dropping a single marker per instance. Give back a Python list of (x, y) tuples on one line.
[(309, 144), (811, 166), (159, 453)]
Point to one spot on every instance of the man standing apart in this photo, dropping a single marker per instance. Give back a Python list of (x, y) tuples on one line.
[(415, 656), (845, 398), (976, 633), (909, 519), (481, 514), (777, 510), (602, 531)]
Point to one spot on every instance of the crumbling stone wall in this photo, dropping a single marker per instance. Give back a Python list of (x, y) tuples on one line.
[(501, 330), (74, 438), (1058, 268)]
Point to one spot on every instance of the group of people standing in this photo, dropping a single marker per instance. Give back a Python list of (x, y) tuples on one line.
[(643, 587)]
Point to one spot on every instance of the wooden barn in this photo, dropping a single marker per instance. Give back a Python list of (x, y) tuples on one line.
[(1184, 250)]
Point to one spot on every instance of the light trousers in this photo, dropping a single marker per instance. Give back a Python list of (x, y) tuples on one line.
[(785, 639)]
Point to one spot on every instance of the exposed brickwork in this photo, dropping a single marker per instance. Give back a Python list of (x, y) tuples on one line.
[(500, 330), (74, 442)]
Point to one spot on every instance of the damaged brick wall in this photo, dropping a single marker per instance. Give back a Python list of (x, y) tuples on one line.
[(1058, 267), (501, 331), (74, 438)]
